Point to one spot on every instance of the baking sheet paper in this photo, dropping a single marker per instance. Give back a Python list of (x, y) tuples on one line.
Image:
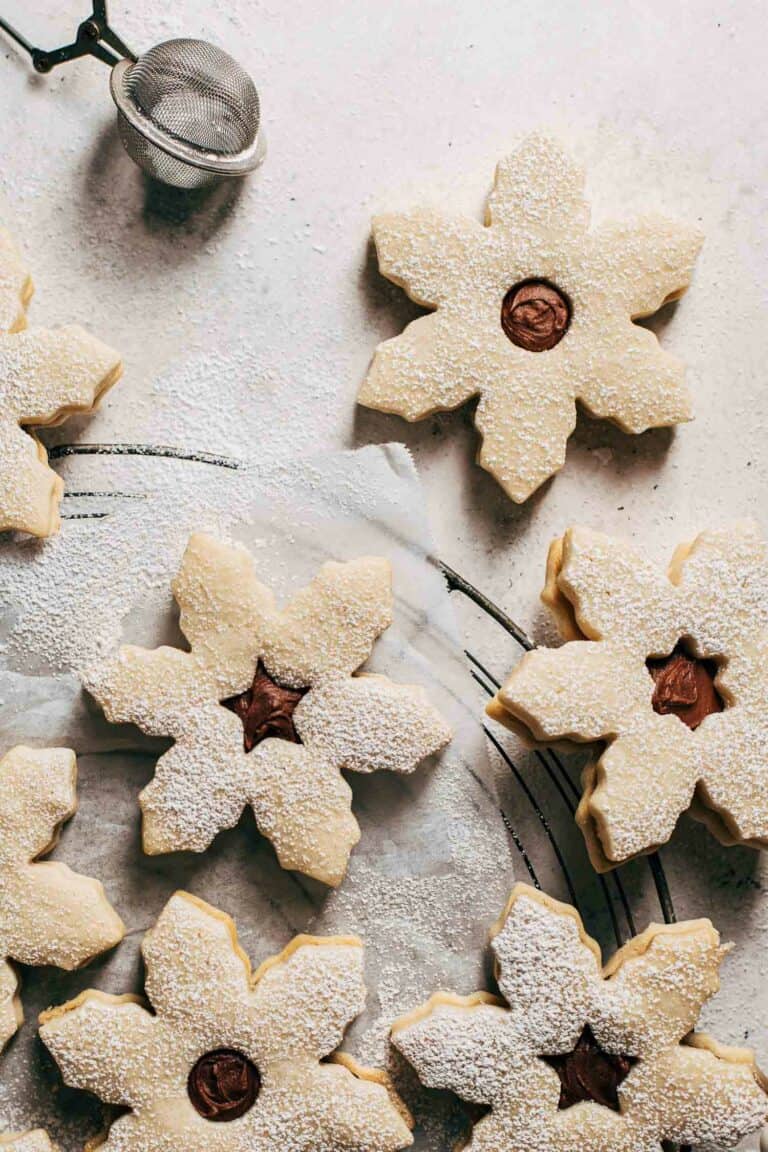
[(433, 867)]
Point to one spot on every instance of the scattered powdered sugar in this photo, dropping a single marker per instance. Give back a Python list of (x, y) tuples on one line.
[(286, 1020), (48, 914), (316, 642), (682, 1086), (433, 863), (537, 229)]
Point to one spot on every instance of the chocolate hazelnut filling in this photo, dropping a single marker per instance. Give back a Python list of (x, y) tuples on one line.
[(266, 709), (589, 1073), (223, 1084), (535, 315), (684, 686)]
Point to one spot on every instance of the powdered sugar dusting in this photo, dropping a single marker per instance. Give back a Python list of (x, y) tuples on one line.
[(45, 376), (537, 228), (716, 598), (682, 1087), (286, 1021)]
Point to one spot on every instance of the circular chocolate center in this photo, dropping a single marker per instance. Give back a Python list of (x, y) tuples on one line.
[(590, 1073), (266, 709), (535, 315), (223, 1084), (684, 686)]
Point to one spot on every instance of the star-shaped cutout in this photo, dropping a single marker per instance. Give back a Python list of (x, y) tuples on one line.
[(589, 1073), (266, 709)]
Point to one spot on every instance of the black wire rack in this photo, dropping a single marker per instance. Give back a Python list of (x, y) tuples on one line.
[(614, 895), (612, 888), (567, 790), (615, 899)]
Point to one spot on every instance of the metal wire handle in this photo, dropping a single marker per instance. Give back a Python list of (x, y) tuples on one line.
[(88, 42), (188, 113)]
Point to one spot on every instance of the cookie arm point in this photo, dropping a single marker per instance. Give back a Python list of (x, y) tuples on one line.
[(55, 373), (30, 491), (303, 805), (357, 1109), (104, 1044), (425, 252), (11, 1012), (582, 691), (423, 370), (143, 686), (69, 919), (305, 998), (647, 262), (367, 723), (447, 1040), (699, 1093)]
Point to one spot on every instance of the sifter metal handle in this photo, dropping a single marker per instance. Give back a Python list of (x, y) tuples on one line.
[(88, 42)]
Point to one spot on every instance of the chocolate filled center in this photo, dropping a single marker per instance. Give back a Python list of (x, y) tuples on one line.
[(684, 686), (223, 1084), (266, 709), (589, 1073), (535, 315)]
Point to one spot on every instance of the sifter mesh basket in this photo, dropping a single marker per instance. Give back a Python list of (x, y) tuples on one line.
[(188, 113)]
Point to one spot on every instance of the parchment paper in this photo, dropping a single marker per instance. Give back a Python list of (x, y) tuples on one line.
[(432, 870)]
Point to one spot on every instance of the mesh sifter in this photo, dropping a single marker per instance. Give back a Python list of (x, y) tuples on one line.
[(188, 114)]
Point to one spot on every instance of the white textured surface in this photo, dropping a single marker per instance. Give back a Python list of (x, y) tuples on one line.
[(249, 325)]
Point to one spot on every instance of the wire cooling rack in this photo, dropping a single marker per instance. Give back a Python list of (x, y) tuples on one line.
[(564, 785), (612, 888), (615, 899), (614, 895)]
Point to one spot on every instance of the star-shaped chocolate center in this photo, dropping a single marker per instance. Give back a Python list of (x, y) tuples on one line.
[(684, 686), (589, 1073), (266, 710)]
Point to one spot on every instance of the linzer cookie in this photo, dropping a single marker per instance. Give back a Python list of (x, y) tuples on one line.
[(582, 1057), (222, 1058), (48, 914), (531, 313), (670, 672), (46, 376), (265, 710)]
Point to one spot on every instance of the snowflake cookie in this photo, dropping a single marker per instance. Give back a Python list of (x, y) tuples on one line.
[(671, 672), (48, 914), (228, 1059), (265, 709), (35, 1141), (46, 376), (579, 1058), (532, 312)]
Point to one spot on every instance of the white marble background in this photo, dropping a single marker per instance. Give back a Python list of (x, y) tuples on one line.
[(247, 324)]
